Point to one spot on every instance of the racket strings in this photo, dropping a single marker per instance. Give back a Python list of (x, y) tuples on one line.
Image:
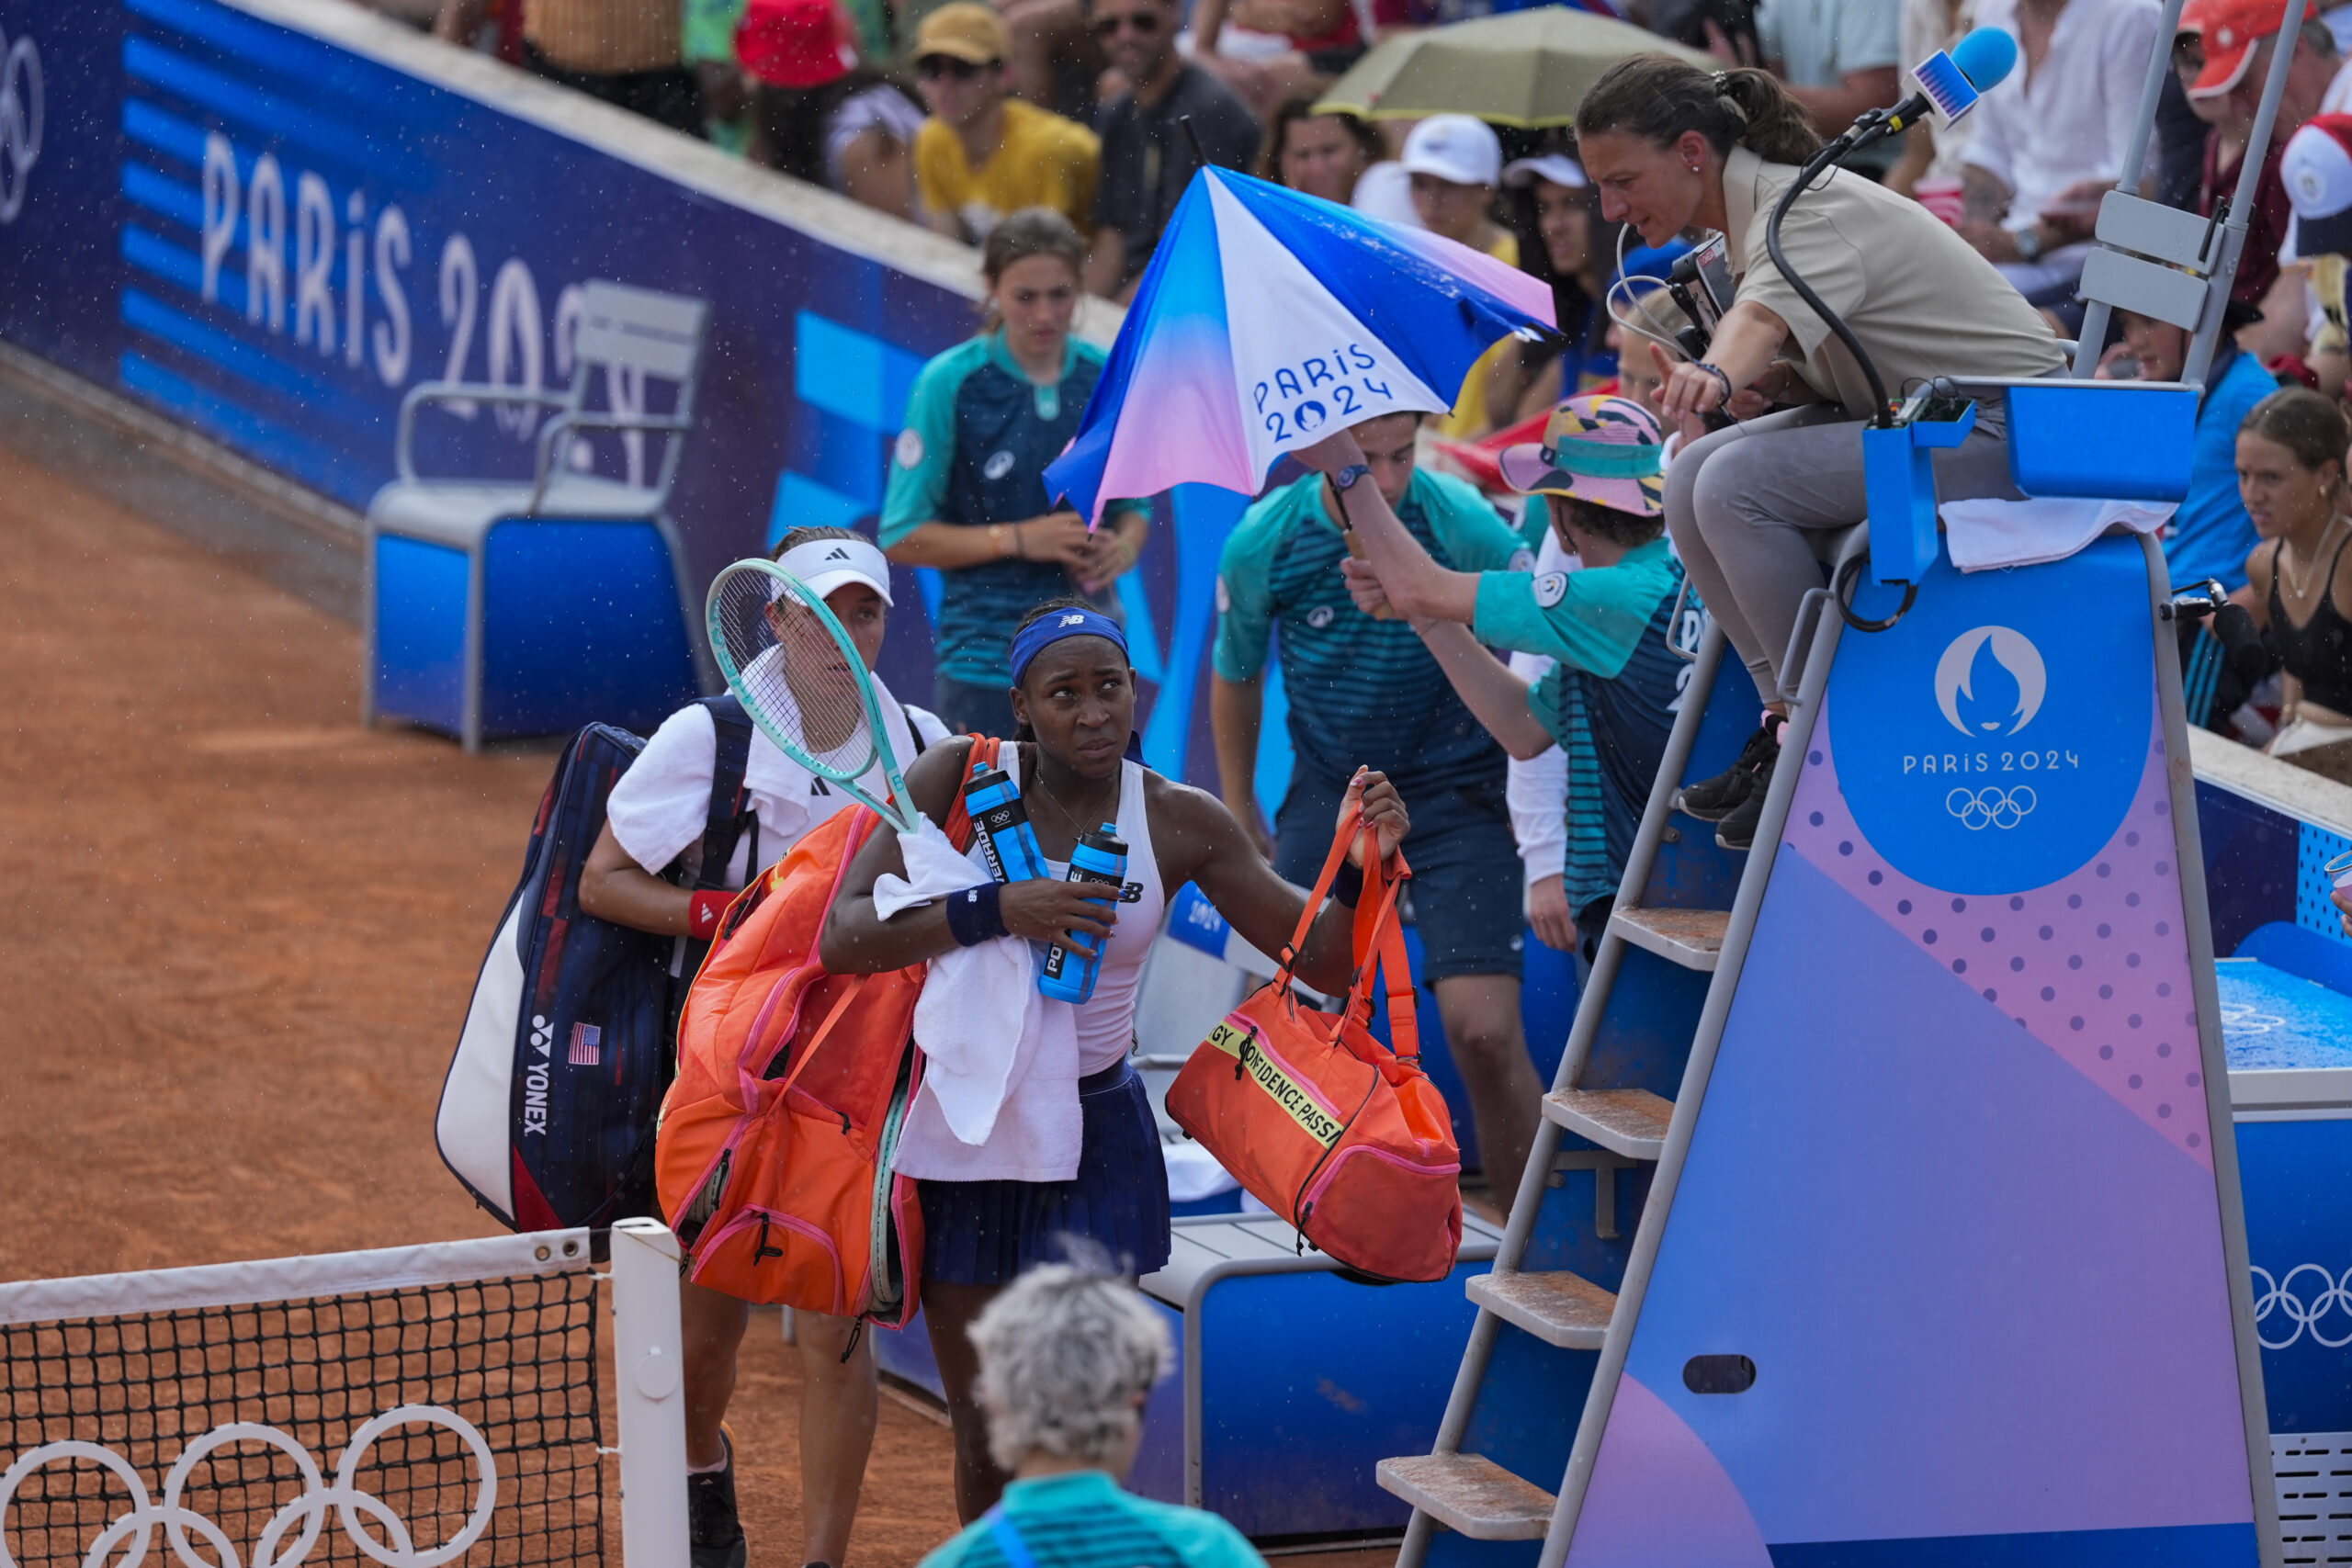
[(795, 673)]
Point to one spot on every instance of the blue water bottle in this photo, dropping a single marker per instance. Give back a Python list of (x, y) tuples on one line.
[(1007, 840), (1070, 973)]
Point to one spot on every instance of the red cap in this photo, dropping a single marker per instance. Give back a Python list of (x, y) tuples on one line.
[(2229, 30), (794, 43)]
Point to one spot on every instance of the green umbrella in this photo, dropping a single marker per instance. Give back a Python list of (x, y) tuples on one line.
[(1525, 68)]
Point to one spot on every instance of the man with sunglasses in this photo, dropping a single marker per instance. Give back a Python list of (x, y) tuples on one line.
[(1147, 158), (983, 154)]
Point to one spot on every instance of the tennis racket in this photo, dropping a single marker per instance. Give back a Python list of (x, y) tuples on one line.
[(806, 685)]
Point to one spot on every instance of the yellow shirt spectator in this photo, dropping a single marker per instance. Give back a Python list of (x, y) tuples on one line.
[(1041, 160)]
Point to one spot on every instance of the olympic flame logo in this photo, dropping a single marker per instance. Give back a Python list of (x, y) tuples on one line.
[(309, 1511), (22, 115)]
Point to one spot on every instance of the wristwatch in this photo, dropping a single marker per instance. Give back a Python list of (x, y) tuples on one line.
[(1346, 477), (2029, 243)]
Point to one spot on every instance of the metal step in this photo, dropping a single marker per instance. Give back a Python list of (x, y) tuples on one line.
[(1471, 1493), (1692, 938), (1555, 1306), (1630, 1121)]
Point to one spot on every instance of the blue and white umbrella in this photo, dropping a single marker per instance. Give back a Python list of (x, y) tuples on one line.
[(1267, 320)]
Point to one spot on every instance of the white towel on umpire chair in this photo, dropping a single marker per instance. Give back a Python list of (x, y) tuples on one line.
[(999, 1100), (1982, 535)]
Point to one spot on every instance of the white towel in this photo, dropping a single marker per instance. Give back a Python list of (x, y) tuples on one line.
[(1983, 535), (999, 1100)]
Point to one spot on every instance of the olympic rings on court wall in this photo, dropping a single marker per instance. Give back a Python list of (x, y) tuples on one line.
[(2282, 1297), (309, 1511), (1991, 806), (22, 114)]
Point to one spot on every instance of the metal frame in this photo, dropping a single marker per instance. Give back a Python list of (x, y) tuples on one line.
[(1592, 1004), (1794, 737), (2196, 924)]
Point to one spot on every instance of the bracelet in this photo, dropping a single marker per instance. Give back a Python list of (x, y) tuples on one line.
[(1348, 886), (974, 914), (1717, 372), (704, 911)]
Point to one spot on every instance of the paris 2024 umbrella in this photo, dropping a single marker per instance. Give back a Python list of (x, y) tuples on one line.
[(1267, 320)]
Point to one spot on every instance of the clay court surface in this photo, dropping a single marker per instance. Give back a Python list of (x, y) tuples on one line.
[(240, 932)]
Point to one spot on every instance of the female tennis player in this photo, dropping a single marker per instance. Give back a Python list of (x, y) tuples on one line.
[(655, 815), (968, 487), (1074, 696)]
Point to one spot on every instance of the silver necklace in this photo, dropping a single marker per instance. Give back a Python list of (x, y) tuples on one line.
[(2299, 583)]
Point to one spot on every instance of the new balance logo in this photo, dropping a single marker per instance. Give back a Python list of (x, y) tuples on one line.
[(1071, 621)]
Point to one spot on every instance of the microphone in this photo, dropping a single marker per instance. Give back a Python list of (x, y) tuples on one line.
[(1950, 85)]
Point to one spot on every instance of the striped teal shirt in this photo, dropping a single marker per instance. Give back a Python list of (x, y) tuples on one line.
[(1609, 700), (1360, 691), (1084, 1520)]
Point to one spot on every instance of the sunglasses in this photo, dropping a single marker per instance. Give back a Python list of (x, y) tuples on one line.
[(1145, 23), (932, 67)]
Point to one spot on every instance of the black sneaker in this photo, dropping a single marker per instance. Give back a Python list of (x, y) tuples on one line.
[(1738, 830), (714, 1535), (1712, 800)]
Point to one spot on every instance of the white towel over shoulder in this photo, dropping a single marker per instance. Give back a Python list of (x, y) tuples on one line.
[(985, 1031)]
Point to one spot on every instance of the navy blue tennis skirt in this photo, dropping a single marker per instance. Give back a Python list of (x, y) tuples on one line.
[(987, 1232)]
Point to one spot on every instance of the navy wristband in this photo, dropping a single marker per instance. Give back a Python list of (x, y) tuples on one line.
[(973, 917), (1348, 886)]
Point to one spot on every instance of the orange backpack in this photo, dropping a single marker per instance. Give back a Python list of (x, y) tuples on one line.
[(774, 1154), (1341, 1136)]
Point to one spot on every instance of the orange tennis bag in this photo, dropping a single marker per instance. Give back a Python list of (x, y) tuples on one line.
[(1341, 1136), (773, 1157)]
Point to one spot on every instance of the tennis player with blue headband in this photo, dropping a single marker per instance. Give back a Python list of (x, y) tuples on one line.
[(1074, 700)]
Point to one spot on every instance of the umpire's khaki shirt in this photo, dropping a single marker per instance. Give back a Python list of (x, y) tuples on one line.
[(1921, 300)]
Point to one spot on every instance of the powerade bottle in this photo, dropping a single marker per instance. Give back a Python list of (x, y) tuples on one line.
[(1068, 974), (1007, 840)]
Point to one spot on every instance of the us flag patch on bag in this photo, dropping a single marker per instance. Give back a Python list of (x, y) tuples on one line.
[(587, 1045)]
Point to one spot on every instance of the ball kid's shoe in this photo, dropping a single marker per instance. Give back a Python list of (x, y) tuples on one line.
[(1712, 800), (714, 1535)]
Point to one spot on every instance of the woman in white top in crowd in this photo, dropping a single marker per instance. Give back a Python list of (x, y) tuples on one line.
[(1073, 697), (655, 815)]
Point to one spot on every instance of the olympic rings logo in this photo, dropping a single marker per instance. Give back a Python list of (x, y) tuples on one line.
[(1991, 806), (2283, 1298), (22, 116), (309, 1511)]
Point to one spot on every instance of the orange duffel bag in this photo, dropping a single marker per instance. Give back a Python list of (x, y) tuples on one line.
[(773, 1157), (1341, 1136)]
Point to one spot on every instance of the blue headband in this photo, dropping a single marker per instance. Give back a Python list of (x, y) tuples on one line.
[(1057, 627)]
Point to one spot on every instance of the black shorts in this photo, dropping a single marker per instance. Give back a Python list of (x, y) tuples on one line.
[(1467, 895)]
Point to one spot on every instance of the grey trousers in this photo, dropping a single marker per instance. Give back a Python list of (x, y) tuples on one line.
[(1748, 508)]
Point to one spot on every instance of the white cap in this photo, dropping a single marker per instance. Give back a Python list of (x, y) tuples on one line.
[(827, 565), (1454, 147), (1385, 191), (2316, 169), (1557, 167)]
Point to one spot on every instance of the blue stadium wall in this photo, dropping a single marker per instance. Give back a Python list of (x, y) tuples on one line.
[(268, 219)]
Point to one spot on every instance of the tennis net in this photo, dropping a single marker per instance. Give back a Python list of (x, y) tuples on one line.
[(441, 1401)]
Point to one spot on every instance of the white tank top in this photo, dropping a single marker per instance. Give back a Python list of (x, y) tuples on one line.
[(1106, 1021)]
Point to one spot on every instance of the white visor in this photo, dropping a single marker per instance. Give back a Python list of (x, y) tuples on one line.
[(829, 564)]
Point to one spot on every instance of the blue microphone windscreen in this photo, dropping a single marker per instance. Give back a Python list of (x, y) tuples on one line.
[(1985, 57)]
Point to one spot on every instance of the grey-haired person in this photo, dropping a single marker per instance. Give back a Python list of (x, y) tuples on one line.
[(1068, 1360)]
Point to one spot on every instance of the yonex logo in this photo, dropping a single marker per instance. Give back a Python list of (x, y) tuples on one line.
[(541, 1040)]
